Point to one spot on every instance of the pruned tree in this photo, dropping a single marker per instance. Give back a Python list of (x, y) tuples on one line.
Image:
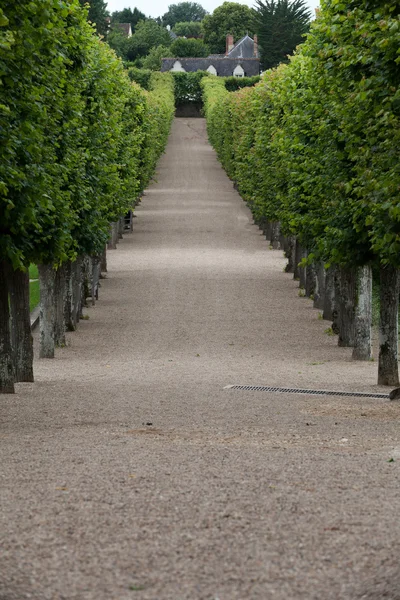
[(188, 29)]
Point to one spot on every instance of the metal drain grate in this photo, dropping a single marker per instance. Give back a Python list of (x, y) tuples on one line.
[(265, 388)]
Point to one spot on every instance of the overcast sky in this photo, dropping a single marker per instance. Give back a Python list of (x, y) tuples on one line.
[(156, 8)]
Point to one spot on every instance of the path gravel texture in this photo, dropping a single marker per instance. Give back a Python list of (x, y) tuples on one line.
[(128, 472)]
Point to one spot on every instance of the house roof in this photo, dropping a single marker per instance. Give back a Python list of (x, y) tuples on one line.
[(224, 65), (244, 48), (125, 28)]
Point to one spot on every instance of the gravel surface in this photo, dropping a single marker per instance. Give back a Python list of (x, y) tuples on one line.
[(128, 471)]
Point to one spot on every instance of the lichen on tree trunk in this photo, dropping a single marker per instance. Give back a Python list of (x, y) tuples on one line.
[(47, 277), (21, 334), (6, 356), (363, 314), (388, 369)]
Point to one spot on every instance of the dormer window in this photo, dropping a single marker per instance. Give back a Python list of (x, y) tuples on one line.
[(238, 71)]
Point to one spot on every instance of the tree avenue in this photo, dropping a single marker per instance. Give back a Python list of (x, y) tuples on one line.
[(78, 144), (314, 149)]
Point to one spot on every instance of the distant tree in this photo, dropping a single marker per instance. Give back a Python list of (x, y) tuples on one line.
[(188, 29), (97, 14), (118, 42), (148, 34), (184, 11), (127, 15), (153, 60), (230, 17), (280, 25), (189, 47)]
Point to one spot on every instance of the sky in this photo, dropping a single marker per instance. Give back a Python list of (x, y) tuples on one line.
[(156, 8)]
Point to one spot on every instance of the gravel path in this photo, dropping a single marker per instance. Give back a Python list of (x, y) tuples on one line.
[(128, 471)]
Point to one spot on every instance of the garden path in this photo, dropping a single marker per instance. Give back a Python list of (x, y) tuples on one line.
[(128, 471)]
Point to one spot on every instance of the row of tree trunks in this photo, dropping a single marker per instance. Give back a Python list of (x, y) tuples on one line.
[(344, 296), (63, 293)]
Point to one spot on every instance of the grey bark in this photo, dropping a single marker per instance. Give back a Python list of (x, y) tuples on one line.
[(319, 291), (120, 228), (329, 296), (103, 263), (302, 270), (290, 253), (310, 280), (388, 370), (95, 278), (60, 292), (47, 276), (77, 288), (115, 233), (268, 230), (6, 356), (111, 244), (297, 259), (21, 335), (276, 235), (345, 304), (363, 315), (70, 324)]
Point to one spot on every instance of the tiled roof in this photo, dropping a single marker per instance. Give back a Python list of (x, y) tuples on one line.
[(223, 65), (244, 48)]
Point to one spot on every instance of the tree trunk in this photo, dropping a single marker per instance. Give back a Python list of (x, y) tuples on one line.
[(319, 292), (60, 293), (47, 276), (310, 281), (346, 302), (70, 324), (290, 254), (329, 296), (388, 370), (276, 235), (77, 289), (111, 241), (120, 228), (103, 263), (21, 334), (6, 354), (115, 233), (302, 270), (95, 278), (267, 230), (297, 259), (363, 315)]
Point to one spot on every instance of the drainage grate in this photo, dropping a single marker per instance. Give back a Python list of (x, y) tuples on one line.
[(265, 388)]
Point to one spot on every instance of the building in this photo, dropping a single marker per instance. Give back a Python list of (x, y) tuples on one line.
[(240, 60)]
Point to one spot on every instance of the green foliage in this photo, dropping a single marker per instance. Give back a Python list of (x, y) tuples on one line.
[(127, 15), (34, 294), (189, 48), (153, 60), (187, 86), (183, 12), (188, 29), (233, 84), (315, 145), (119, 42), (97, 14), (140, 76), (75, 147), (280, 25), (148, 34), (230, 17)]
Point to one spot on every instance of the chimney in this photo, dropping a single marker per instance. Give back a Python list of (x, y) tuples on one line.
[(255, 52), (229, 43)]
